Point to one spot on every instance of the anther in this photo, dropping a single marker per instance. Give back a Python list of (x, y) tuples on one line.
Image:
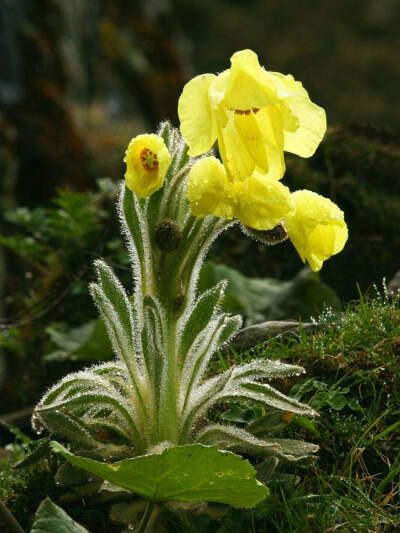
[(149, 159)]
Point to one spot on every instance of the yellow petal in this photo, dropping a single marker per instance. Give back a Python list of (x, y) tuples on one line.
[(304, 121), (218, 88), (246, 90), (269, 120), (147, 160), (248, 128), (198, 125), (253, 141), (237, 160), (262, 203), (316, 228), (208, 189)]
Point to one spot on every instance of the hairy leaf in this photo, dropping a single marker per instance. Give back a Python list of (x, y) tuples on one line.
[(235, 438)]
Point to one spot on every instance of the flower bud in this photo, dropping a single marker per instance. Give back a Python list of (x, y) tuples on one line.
[(168, 236)]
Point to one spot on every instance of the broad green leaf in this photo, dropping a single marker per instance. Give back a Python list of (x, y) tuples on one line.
[(263, 331), (260, 299), (50, 518), (337, 401), (184, 473), (85, 343)]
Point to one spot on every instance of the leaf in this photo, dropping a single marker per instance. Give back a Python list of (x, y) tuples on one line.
[(273, 422), (92, 408), (69, 475), (201, 314), (262, 392), (263, 331), (266, 469), (184, 473), (41, 450), (305, 423), (238, 415), (337, 401), (50, 518), (85, 343), (115, 293), (260, 299), (239, 439)]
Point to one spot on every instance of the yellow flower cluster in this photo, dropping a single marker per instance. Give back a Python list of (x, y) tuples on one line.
[(257, 115)]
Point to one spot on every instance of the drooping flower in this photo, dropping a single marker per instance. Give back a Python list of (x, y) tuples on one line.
[(254, 114), (316, 228), (257, 202), (262, 203), (147, 160)]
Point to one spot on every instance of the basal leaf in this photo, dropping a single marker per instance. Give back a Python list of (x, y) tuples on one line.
[(260, 299), (84, 343), (50, 518), (185, 473)]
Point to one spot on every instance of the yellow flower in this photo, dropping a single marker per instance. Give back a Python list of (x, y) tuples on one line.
[(316, 228), (147, 160), (208, 189), (257, 202), (254, 114), (262, 204)]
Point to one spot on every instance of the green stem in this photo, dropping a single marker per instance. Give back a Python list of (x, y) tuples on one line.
[(149, 516), (169, 419), (7, 519)]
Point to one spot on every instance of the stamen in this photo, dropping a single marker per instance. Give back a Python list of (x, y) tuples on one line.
[(149, 159), (246, 111)]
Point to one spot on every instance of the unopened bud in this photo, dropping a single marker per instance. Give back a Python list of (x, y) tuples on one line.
[(177, 302), (269, 237), (168, 236)]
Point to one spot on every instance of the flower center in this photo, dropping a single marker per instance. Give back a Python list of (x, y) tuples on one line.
[(149, 159), (246, 111)]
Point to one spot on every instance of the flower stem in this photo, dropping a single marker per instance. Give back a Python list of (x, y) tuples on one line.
[(149, 516)]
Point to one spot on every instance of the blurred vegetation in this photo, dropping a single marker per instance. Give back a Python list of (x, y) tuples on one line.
[(80, 79)]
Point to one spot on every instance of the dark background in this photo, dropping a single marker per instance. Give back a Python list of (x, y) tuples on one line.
[(79, 79)]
